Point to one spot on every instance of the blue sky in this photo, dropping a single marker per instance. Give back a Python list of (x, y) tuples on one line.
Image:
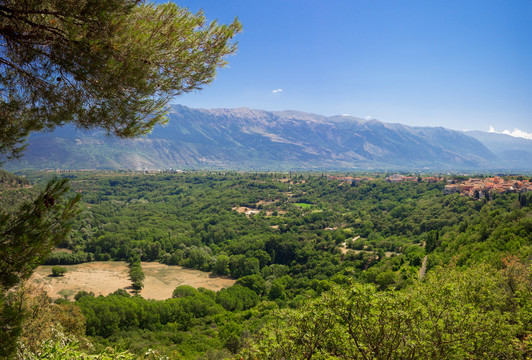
[(460, 64)]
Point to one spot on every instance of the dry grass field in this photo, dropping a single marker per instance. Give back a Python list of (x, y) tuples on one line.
[(104, 277)]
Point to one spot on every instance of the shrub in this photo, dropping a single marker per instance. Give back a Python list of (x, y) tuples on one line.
[(58, 270)]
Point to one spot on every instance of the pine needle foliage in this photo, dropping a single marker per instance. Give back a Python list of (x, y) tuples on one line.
[(109, 64)]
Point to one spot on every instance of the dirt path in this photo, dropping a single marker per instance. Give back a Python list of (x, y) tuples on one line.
[(423, 268), (343, 246)]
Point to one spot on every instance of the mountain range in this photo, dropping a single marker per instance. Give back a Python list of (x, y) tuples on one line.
[(247, 139)]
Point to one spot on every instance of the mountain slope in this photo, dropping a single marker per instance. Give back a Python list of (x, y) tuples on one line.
[(256, 139), (514, 152)]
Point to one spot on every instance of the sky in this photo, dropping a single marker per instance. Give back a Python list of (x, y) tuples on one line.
[(460, 64)]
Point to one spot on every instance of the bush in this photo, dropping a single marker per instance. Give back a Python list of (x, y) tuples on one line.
[(58, 270), (83, 293), (184, 291)]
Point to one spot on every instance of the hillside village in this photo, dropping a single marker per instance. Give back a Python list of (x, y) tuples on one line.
[(481, 188), (391, 178), (473, 187)]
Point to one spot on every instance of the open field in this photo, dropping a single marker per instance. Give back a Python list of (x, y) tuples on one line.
[(104, 277)]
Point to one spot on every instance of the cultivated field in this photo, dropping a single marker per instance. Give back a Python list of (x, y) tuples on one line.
[(104, 277)]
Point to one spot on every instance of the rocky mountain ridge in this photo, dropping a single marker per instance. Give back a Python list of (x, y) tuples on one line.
[(250, 139)]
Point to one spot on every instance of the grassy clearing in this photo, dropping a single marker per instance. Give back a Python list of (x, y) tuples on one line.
[(303, 205), (104, 277)]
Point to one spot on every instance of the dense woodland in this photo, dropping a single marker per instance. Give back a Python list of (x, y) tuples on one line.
[(325, 268)]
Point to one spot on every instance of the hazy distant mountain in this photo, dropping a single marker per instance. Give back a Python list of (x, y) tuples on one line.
[(513, 151), (256, 139)]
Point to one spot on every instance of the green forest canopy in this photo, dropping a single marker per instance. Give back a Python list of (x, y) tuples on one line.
[(293, 258), (108, 64)]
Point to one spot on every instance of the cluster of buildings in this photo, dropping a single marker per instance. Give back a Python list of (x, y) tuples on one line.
[(392, 178), (402, 178), (473, 187), (480, 188), (349, 179)]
